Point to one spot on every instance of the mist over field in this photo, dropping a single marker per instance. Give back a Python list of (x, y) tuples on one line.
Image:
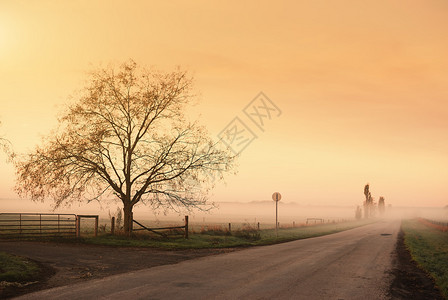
[(225, 212)]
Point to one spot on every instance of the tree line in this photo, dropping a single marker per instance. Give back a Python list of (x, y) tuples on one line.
[(371, 208)]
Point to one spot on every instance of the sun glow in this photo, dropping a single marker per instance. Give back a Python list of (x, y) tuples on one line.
[(6, 37), (361, 86), (3, 37)]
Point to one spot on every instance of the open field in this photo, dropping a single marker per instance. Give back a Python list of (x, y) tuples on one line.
[(213, 235), (218, 236), (429, 248)]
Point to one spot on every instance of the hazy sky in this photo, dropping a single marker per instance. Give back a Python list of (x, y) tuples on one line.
[(361, 85)]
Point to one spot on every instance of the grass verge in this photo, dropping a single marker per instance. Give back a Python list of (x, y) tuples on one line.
[(221, 238), (429, 248), (16, 269)]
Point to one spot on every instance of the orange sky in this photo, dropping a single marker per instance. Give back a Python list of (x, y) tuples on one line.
[(361, 85)]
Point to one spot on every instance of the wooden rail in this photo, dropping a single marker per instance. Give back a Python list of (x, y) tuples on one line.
[(315, 220), (154, 230)]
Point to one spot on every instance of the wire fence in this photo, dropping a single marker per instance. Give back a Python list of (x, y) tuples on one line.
[(439, 225)]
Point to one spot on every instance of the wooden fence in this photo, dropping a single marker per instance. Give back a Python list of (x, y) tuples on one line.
[(309, 220), (160, 230)]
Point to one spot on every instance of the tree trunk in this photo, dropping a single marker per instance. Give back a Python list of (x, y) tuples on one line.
[(127, 210)]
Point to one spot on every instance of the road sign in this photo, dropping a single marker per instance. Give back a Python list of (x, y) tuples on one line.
[(276, 196)]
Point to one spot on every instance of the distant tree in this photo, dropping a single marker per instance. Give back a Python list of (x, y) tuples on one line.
[(367, 201), (372, 206), (366, 191), (358, 213), (381, 205), (126, 135)]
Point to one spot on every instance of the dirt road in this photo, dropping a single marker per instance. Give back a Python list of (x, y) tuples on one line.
[(354, 264)]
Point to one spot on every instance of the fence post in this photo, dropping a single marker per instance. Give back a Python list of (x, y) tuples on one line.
[(96, 226), (293, 224), (40, 223), (112, 226), (186, 227), (230, 227), (20, 223), (258, 225), (77, 223)]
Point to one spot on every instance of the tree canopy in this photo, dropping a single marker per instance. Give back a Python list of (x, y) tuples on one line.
[(126, 135)]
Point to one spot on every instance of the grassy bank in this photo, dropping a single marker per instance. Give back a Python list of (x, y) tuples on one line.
[(16, 269), (429, 248), (219, 237)]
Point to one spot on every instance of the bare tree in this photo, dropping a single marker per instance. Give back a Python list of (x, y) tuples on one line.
[(126, 135)]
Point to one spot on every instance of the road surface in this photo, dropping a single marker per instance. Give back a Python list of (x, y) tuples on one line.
[(354, 264)]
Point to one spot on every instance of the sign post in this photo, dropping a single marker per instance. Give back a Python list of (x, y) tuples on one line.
[(276, 197)]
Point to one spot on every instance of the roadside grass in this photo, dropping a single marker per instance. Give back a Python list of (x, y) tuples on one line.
[(220, 237), (429, 248), (16, 269)]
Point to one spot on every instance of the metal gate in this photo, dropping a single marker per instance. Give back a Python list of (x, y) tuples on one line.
[(37, 224)]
